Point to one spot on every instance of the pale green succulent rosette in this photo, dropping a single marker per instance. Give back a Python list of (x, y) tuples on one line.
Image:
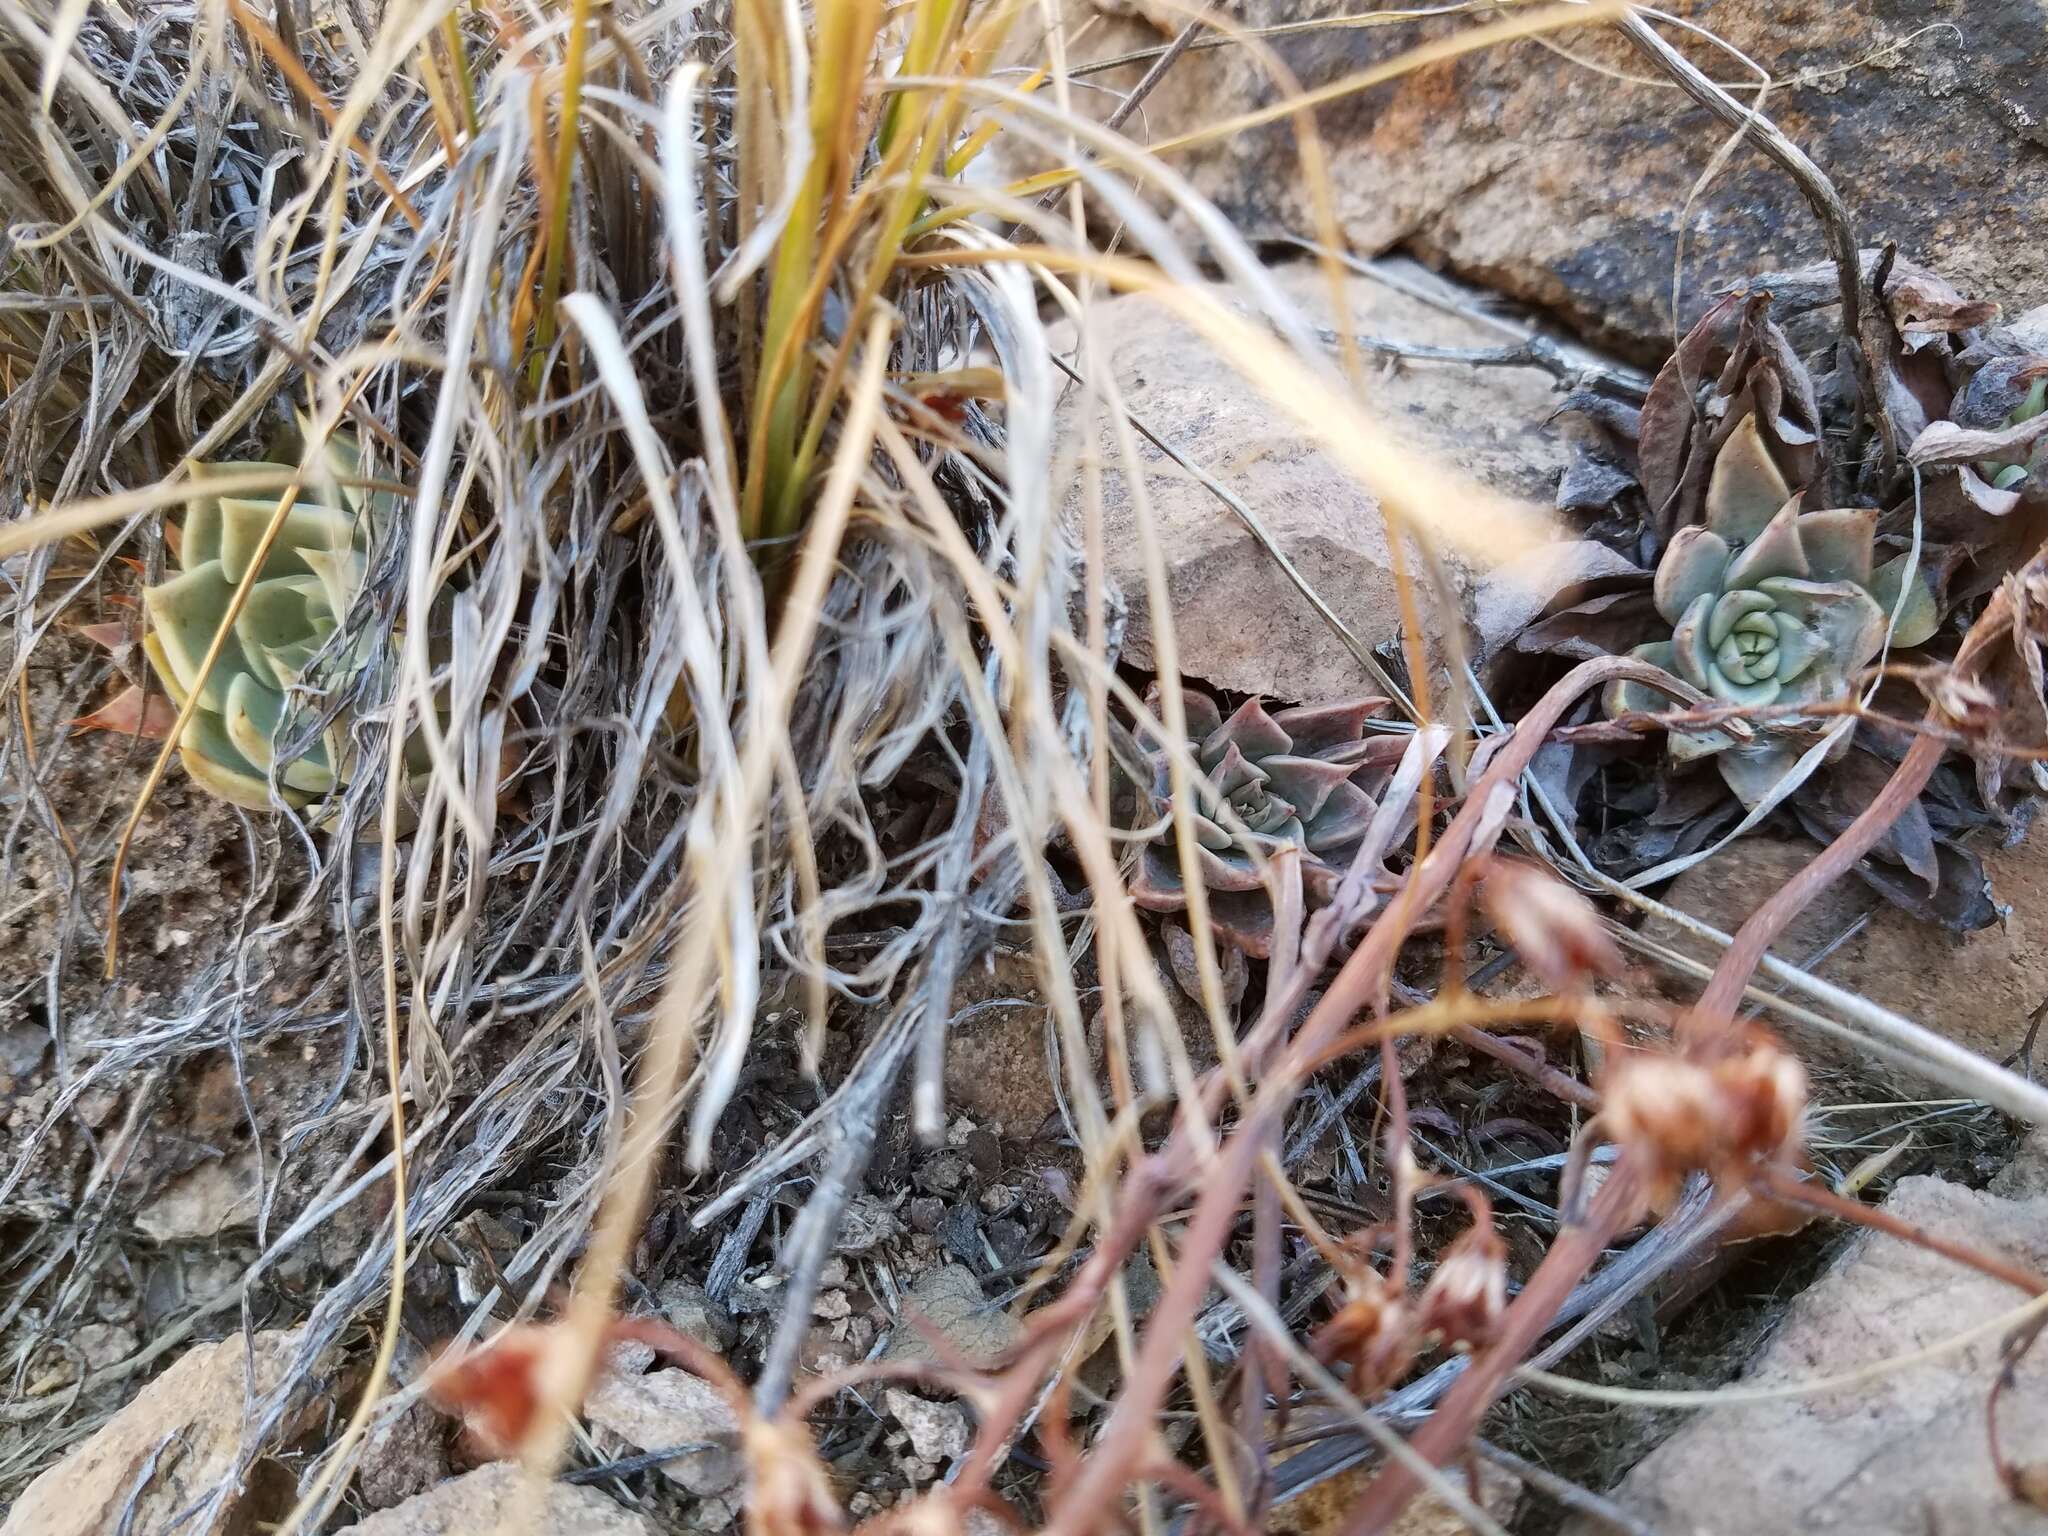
[(1770, 606), (303, 589)]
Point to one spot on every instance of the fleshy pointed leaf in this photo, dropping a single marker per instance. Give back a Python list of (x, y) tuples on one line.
[(1251, 730), (184, 614), (1318, 728), (200, 539), (1754, 770), (1305, 782), (1695, 565), (1204, 719), (1729, 609), (1692, 656), (1211, 833), (1843, 618), (252, 719), (1235, 772), (1230, 869), (1921, 615), (153, 648), (277, 617), (306, 529), (1628, 697), (1685, 746), (1746, 488), (1156, 885), (1753, 695), (1798, 647), (340, 573), (217, 765), (1838, 544), (1343, 819), (1778, 550), (1243, 921)]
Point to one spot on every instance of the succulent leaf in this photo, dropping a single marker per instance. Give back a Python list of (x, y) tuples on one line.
[(1300, 778), (1921, 615), (1838, 544), (1628, 697), (1694, 565), (1746, 488)]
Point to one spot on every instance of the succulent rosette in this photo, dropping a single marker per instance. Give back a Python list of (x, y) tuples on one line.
[(1303, 778), (301, 591), (1770, 606)]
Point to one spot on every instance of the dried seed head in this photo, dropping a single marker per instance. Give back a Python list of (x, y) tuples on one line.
[(1557, 932), (1765, 1092), (1966, 702), (1719, 1116), (1468, 1293), (496, 1388), (1374, 1331)]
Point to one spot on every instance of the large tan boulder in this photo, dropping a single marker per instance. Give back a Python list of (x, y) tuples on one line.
[(1240, 622), (1901, 1451)]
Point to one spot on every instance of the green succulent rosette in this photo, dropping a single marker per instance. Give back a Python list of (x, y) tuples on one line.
[(1770, 606), (302, 590), (1303, 778)]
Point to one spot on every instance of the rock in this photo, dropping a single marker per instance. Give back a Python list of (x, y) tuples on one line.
[(1142, 1289), (995, 1046), (721, 1515), (1978, 989), (668, 1408), (1240, 622), (103, 1344), (938, 1431), (1323, 1509), (1903, 1451), (949, 1300), (627, 1357), (206, 1201), (689, 1309), (22, 1048), (477, 1501), (1568, 187), (197, 1403), (2027, 1174), (403, 1457)]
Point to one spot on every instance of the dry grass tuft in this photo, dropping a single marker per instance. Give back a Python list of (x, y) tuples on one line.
[(715, 392)]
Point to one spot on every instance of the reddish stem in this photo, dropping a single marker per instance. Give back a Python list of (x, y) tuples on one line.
[(1779, 1184), (1716, 1006), (1458, 1415), (1106, 1473)]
